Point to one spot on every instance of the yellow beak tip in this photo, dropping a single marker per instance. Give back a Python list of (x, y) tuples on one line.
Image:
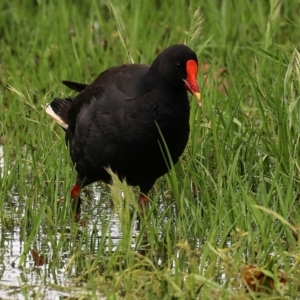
[(198, 97)]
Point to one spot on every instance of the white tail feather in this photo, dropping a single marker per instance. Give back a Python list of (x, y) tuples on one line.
[(55, 117)]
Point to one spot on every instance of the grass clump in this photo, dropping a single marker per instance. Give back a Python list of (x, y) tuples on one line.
[(231, 202)]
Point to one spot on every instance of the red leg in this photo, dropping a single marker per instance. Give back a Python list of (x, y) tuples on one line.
[(143, 200), (75, 191), (76, 202), (144, 190)]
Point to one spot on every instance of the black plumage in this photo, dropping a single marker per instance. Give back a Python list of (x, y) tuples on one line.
[(118, 120)]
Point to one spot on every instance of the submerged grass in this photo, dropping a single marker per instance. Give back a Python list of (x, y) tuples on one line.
[(231, 201)]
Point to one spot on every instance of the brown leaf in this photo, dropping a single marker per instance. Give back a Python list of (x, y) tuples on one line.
[(2, 140), (39, 260), (83, 223), (257, 281), (218, 76)]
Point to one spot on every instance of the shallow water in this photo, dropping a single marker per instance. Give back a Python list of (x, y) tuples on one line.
[(43, 282), (38, 282), (38, 278)]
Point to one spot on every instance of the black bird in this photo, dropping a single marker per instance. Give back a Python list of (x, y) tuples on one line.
[(124, 118)]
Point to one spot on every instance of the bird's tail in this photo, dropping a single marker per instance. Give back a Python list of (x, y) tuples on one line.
[(76, 86), (58, 111)]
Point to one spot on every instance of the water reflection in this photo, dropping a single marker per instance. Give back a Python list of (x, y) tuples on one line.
[(41, 280)]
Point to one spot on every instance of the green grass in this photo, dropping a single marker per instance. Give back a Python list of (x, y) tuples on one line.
[(232, 200)]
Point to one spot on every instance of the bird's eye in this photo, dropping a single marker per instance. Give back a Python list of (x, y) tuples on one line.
[(178, 65)]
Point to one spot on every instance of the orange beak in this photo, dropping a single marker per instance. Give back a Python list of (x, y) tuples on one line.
[(191, 80)]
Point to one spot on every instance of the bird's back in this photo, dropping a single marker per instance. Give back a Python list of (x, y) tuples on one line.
[(114, 123)]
